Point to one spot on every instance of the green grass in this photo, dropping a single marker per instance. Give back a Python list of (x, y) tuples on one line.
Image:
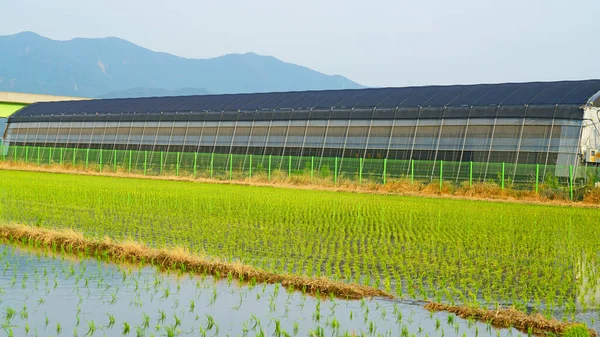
[(454, 251), (577, 331)]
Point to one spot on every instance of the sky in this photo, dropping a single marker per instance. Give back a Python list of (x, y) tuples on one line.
[(375, 43)]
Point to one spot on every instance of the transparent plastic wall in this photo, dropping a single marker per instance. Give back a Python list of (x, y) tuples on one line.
[(2, 128), (515, 144)]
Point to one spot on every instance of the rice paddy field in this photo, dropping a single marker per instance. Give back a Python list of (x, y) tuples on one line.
[(48, 295), (537, 258)]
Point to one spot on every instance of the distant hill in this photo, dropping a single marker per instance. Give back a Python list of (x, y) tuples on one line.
[(110, 67)]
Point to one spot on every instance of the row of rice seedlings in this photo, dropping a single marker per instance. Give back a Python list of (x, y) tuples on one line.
[(537, 258)]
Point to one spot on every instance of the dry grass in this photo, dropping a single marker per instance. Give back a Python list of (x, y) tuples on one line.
[(593, 196), (509, 317), (401, 187), (74, 243)]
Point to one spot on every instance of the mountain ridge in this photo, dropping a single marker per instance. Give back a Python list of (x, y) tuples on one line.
[(96, 67)]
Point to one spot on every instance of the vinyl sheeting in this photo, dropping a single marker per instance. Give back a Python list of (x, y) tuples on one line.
[(558, 100)]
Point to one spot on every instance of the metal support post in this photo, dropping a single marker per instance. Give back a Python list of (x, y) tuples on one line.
[(571, 181), (502, 175), (250, 168), (145, 162), (195, 164), (412, 171), (537, 177), (384, 169), (269, 169), (335, 173), (360, 170), (441, 174), (212, 160), (160, 170), (471, 174), (177, 165)]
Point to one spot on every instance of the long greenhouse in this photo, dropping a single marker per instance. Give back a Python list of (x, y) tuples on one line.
[(456, 132)]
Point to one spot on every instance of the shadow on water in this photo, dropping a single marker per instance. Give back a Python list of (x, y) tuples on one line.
[(51, 295)]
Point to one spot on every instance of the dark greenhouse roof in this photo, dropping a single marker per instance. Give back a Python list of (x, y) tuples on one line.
[(535, 99)]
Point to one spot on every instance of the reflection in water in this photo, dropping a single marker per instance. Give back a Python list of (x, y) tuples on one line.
[(51, 295), (589, 289)]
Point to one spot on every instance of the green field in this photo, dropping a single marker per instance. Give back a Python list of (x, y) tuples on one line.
[(453, 251)]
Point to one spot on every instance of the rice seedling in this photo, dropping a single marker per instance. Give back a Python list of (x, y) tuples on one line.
[(91, 328), (210, 322), (126, 329), (162, 316), (145, 321)]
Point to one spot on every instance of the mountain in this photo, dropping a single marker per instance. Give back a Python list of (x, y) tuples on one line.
[(153, 92), (103, 66)]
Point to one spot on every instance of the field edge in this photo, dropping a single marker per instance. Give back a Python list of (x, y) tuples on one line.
[(176, 259), (535, 324)]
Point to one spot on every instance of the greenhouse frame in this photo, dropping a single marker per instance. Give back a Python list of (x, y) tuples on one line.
[(454, 132)]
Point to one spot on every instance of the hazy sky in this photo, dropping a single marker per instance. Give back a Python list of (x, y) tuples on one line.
[(376, 43)]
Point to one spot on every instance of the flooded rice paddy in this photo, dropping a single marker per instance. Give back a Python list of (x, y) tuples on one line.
[(50, 295)]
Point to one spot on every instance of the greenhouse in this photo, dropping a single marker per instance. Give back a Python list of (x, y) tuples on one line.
[(521, 131)]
